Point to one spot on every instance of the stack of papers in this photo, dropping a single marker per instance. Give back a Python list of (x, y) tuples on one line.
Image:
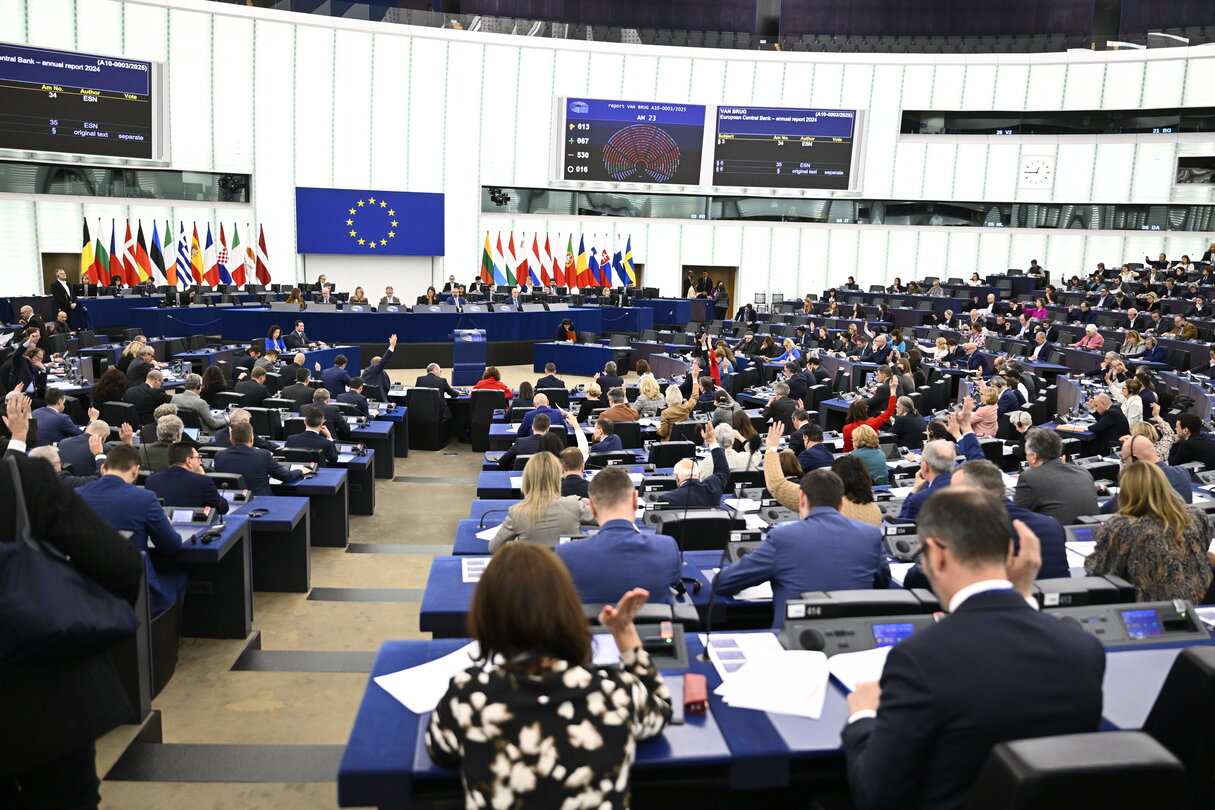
[(757, 673), (488, 534), (420, 688), (471, 568), (743, 504), (897, 493), (756, 593)]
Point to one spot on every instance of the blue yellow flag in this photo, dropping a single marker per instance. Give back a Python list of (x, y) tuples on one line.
[(629, 269)]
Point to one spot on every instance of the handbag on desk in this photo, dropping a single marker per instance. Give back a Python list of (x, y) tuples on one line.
[(49, 611)]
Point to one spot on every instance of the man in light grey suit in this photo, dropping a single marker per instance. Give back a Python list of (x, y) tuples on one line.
[(389, 298), (1050, 487), (189, 400)]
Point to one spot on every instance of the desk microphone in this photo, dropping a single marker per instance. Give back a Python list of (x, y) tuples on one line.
[(721, 564), (481, 524)]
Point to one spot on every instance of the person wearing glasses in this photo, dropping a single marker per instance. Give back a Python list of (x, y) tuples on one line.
[(183, 482)]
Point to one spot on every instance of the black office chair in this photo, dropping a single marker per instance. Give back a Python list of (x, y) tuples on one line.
[(190, 419), (280, 404), (629, 433), (521, 461), (346, 409), (557, 397), (688, 431), (517, 413), (301, 455), (116, 413), (373, 393), (664, 455), (703, 530), (1113, 770), (225, 399), (165, 641), (428, 429), (1183, 721), (484, 403), (293, 425), (597, 461), (233, 481), (266, 422), (748, 478)]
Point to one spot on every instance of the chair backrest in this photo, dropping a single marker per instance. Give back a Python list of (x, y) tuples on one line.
[(517, 413), (301, 455), (424, 404), (266, 422), (1183, 719), (293, 425), (116, 413), (688, 431), (484, 403), (629, 433), (521, 461), (189, 418), (699, 531), (346, 409), (597, 461), (1108, 769), (226, 398), (557, 397), (279, 403), (666, 454)]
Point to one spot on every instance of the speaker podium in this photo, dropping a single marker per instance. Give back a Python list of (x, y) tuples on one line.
[(467, 356)]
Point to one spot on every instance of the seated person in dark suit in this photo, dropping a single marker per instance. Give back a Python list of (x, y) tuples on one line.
[(325, 296), (540, 406), (433, 378), (127, 507), (796, 382), (550, 378), (50, 454), (254, 388), (824, 551), (692, 491), (79, 453), (619, 553), (183, 482), (353, 395), (1026, 674), (814, 454), (1192, 443), (255, 464), (975, 359), (376, 372), (801, 425), (878, 352), (154, 456), (573, 473), (540, 439), (604, 437), (147, 396), (223, 436), (1042, 348), (53, 424), (1111, 424), (297, 338), (334, 421), (145, 361), (335, 378), (315, 435), (780, 407), (299, 392), (609, 379)]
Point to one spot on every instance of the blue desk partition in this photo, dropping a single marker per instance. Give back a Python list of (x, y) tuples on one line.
[(282, 560), (468, 356), (585, 359), (219, 603), (627, 319)]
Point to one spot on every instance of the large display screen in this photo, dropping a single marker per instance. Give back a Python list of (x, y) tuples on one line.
[(631, 141), (77, 103), (784, 148)]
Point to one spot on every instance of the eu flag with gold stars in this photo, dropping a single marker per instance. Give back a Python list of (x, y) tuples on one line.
[(368, 222)]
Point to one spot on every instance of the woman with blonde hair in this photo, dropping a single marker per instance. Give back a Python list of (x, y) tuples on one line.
[(865, 448), (940, 351), (594, 399), (985, 420), (1132, 344), (649, 400), (543, 515), (677, 410), (1154, 541), (129, 354)]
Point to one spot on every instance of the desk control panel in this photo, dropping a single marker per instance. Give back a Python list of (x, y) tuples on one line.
[(851, 634), (1136, 623), (666, 644), (742, 543), (901, 541)]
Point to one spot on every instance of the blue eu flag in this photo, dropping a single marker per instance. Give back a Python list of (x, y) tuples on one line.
[(365, 222)]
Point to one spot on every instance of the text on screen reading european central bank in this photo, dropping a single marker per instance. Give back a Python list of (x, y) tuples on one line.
[(784, 147)]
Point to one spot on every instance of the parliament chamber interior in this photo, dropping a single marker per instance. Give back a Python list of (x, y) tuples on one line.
[(444, 403)]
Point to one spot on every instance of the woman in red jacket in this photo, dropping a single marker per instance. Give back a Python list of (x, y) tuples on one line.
[(858, 413), (492, 378)]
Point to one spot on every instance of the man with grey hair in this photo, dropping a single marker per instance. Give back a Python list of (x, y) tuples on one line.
[(145, 361), (690, 490), (619, 409), (540, 406), (334, 420), (191, 400), (1111, 424), (83, 453), (147, 396), (780, 407), (609, 379), (937, 459), (154, 456), (50, 454), (1050, 487), (223, 436), (433, 378)]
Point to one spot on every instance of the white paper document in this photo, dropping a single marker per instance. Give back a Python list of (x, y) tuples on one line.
[(488, 534), (898, 571), (781, 682), (420, 688), (729, 651), (471, 568), (858, 667), (743, 504), (755, 522), (899, 492)]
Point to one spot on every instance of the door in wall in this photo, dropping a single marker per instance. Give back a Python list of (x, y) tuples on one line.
[(716, 274)]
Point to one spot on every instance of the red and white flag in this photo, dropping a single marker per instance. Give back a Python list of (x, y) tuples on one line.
[(263, 258)]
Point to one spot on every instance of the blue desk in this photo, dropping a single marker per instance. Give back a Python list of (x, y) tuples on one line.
[(398, 415), (585, 359), (493, 510), (282, 561), (377, 435), (467, 542), (329, 505), (385, 762), (496, 483), (675, 311), (104, 312), (360, 480), (627, 319), (219, 602)]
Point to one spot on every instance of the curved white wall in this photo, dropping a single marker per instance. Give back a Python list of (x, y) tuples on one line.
[(348, 104)]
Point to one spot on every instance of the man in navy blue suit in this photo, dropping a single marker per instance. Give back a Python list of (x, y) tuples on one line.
[(255, 464), (620, 554), (994, 669), (376, 372), (824, 551), (1042, 347), (691, 490), (53, 424), (604, 435), (183, 482), (223, 436), (127, 507), (335, 377), (540, 406), (877, 352), (315, 436), (937, 460), (975, 360), (353, 395), (550, 378), (541, 438)]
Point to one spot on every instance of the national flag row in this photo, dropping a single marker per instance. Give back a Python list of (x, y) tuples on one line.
[(537, 263), (180, 262)]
